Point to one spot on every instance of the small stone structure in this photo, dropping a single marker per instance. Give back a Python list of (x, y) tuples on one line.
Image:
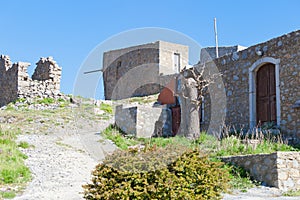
[(141, 70), (209, 53), (15, 82), (280, 169), (143, 121)]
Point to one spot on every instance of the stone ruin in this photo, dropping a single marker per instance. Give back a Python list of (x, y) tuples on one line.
[(15, 82)]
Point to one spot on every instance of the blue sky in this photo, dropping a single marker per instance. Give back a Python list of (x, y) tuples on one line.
[(70, 30)]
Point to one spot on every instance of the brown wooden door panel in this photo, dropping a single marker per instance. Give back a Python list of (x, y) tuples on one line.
[(266, 94), (262, 111), (272, 82), (273, 111)]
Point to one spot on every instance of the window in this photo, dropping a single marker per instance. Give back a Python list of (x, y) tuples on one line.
[(176, 62)]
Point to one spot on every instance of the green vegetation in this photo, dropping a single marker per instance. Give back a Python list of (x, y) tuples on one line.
[(189, 176), (114, 134), (123, 142), (24, 145), (106, 108), (10, 106), (12, 167), (46, 100), (235, 146), (20, 100), (240, 178), (8, 194), (292, 193), (141, 100), (231, 144)]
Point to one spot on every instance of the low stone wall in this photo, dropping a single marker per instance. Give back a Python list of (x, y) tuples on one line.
[(280, 169), (125, 118), (143, 120)]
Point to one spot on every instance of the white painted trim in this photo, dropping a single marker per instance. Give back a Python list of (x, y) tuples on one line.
[(252, 88)]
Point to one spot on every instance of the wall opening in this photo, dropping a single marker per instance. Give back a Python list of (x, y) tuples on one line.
[(254, 97)]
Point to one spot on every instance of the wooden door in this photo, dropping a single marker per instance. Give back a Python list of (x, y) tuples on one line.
[(266, 94), (176, 119)]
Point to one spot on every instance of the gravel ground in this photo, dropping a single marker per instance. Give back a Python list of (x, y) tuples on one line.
[(62, 162), (259, 193)]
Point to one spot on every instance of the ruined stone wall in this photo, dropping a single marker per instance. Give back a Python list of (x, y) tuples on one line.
[(8, 80), (15, 82), (280, 169), (236, 68), (141, 68)]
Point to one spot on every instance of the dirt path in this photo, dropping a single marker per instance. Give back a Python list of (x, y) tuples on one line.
[(62, 162)]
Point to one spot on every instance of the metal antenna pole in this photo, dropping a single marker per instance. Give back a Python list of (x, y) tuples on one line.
[(88, 72), (216, 37)]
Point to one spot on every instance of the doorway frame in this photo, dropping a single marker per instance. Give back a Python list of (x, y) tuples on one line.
[(252, 88)]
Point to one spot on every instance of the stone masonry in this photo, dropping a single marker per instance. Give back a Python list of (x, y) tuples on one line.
[(238, 71), (280, 169), (15, 82), (209, 53), (143, 121), (141, 69)]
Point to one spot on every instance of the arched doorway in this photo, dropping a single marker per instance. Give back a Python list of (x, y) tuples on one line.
[(264, 90), (266, 94)]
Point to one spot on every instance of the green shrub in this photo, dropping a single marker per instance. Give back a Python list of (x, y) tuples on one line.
[(190, 176)]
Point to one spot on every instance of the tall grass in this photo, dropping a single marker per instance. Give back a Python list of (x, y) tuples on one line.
[(12, 167), (231, 143), (124, 142)]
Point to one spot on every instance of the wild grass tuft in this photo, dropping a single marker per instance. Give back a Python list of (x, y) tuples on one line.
[(46, 100), (7, 194), (24, 145), (106, 108), (12, 167)]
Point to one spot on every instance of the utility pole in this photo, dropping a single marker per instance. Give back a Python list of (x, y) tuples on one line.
[(216, 37)]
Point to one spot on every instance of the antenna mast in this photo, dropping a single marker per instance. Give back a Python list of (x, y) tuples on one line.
[(216, 37)]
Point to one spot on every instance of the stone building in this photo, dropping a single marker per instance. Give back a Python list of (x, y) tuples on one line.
[(15, 82), (259, 84), (209, 53), (141, 70)]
